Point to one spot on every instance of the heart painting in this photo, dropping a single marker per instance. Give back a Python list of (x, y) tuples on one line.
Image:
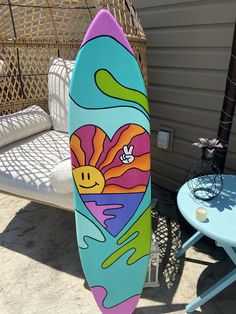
[(111, 175)]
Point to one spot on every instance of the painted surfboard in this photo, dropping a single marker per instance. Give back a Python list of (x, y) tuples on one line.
[(109, 133)]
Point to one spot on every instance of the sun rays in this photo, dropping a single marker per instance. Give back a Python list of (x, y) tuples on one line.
[(92, 148)]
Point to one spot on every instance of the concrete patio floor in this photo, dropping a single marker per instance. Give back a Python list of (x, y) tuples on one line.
[(40, 270)]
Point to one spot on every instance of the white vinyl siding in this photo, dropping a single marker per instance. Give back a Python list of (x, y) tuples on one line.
[(189, 44)]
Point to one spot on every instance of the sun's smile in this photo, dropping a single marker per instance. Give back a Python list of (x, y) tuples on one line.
[(89, 180), (88, 187)]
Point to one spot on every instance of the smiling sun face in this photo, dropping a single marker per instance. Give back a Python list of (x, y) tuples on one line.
[(89, 180)]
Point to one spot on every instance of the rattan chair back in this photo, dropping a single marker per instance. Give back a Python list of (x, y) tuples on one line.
[(33, 32)]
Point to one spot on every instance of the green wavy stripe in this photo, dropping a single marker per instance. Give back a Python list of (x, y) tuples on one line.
[(140, 243), (110, 87)]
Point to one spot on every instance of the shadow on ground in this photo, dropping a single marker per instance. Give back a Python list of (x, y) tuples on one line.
[(169, 238), (170, 235), (47, 235), (224, 302)]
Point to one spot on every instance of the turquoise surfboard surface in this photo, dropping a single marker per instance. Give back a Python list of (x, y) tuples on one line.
[(109, 133)]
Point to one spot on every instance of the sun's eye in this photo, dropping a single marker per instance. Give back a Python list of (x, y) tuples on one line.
[(88, 176), (82, 174)]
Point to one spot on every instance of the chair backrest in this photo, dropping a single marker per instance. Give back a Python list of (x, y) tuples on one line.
[(33, 32), (59, 77)]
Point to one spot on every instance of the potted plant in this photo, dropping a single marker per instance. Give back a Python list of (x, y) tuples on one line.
[(205, 180)]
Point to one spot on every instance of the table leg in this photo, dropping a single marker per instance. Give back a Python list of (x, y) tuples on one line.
[(196, 237), (211, 292), (231, 252)]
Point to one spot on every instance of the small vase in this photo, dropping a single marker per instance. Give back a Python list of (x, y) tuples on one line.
[(205, 181)]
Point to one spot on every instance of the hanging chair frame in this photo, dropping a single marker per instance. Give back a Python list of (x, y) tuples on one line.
[(33, 32)]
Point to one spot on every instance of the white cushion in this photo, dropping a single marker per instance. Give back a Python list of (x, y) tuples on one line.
[(26, 164), (58, 90), (22, 124), (61, 177)]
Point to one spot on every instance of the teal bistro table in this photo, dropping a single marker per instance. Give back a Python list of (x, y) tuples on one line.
[(220, 226)]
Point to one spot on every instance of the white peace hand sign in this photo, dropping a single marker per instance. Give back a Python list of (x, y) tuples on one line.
[(127, 157)]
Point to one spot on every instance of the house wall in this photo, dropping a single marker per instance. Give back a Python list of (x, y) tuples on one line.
[(189, 44)]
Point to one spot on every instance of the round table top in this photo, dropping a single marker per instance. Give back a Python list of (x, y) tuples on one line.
[(221, 212)]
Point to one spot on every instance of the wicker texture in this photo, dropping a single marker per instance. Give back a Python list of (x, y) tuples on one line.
[(33, 32)]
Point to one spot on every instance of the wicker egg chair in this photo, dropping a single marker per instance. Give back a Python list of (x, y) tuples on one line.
[(32, 32)]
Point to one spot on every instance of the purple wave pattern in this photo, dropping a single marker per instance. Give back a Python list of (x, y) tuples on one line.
[(126, 307), (98, 211), (117, 217)]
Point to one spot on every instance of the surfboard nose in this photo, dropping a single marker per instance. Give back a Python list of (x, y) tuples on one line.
[(104, 24)]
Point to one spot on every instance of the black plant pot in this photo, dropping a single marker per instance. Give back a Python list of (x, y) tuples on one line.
[(205, 181)]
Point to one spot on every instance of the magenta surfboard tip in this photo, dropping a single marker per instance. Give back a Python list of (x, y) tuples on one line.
[(104, 24)]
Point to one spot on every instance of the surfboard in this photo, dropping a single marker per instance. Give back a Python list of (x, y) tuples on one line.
[(109, 132)]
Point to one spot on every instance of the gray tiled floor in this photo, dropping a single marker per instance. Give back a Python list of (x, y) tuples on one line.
[(41, 272)]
